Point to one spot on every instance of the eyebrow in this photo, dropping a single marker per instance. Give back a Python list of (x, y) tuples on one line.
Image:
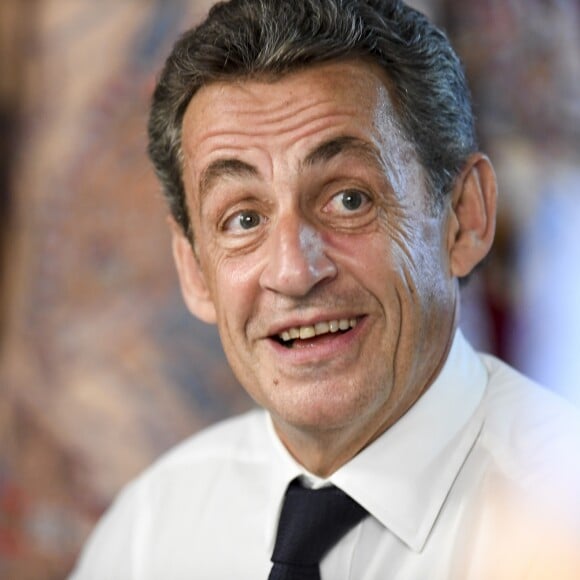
[(326, 151), (323, 153), (224, 168)]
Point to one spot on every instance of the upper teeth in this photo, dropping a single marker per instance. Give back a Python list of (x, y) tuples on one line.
[(317, 329)]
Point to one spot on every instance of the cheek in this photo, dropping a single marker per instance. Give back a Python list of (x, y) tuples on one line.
[(371, 260), (370, 251), (418, 252), (402, 267), (233, 285), (377, 259)]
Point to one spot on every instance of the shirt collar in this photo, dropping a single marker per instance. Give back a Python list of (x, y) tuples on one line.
[(403, 477), (284, 468)]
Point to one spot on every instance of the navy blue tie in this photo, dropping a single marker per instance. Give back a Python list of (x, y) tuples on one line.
[(311, 522)]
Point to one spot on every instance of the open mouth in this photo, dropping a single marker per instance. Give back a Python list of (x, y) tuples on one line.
[(293, 336)]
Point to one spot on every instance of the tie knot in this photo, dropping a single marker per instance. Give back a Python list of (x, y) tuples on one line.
[(311, 522)]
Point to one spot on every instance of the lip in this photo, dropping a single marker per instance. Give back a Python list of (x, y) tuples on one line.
[(322, 349)]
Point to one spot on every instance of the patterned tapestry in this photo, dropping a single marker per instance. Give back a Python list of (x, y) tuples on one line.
[(103, 367)]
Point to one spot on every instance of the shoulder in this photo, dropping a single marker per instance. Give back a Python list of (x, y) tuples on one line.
[(238, 437), (526, 468), (181, 481), (191, 468), (517, 407), (532, 436)]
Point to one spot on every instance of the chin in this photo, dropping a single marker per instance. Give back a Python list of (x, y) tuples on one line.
[(325, 413)]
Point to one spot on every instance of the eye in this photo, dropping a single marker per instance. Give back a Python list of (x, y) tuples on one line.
[(243, 221), (351, 200), (348, 202)]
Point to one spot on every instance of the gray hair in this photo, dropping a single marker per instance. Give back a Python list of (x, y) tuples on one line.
[(249, 39)]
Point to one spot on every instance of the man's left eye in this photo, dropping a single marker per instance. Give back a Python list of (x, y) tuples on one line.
[(349, 201)]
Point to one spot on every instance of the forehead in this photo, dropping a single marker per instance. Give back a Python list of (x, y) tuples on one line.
[(344, 95)]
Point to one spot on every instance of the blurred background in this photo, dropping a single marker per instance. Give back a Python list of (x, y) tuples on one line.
[(101, 367)]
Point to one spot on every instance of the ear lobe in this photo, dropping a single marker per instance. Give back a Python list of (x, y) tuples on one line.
[(471, 227), (192, 280)]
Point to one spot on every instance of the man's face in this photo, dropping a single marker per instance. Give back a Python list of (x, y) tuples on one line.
[(311, 219)]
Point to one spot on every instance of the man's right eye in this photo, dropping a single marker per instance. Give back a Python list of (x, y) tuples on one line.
[(243, 221)]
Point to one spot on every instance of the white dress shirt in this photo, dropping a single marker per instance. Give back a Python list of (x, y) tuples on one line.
[(479, 480)]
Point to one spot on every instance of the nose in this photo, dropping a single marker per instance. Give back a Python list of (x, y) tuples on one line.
[(297, 261)]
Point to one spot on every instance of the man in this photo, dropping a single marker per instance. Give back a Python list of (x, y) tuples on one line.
[(327, 195)]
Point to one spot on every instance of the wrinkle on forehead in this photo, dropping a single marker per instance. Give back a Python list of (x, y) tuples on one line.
[(270, 119), (288, 97)]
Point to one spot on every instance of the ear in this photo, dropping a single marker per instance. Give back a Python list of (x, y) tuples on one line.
[(191, 277), (471, 227)]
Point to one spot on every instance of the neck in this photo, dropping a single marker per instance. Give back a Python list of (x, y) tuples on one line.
[(320, 453)]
